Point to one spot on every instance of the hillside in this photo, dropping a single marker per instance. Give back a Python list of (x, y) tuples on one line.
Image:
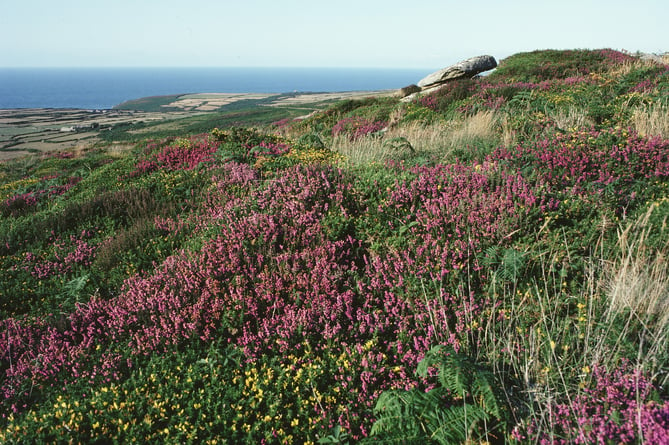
[(485, 263), (45, 130)]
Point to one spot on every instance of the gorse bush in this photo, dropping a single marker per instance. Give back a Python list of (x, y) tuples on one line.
[(489, 268)]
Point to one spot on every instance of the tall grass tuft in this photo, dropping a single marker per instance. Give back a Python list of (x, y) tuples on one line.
[(438, 140), (362, 150), (652, 120), (636, 283), (481, 127), (565, 345), (569, 118)]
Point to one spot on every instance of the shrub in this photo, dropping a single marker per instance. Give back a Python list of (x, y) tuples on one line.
[(537, 66), (618, 406), (247, 287), (445, 98), (356, 127)]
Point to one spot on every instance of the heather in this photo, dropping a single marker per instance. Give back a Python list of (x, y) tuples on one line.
[(483, 264)]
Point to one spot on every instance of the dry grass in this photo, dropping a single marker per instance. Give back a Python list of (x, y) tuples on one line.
[(571, 118), (118, 150), (634, 284), (622, 304), (652, 120), (438, 139), (364, 150), (482, 126), (628, 66), (638, 280)]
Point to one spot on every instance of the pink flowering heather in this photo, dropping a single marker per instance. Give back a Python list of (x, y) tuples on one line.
[(454, 210), (186, 155), (357, 127), (618, 407), (616, 57), (269, 281), (272, 280), (238, 174), (67, 254), (577, 80), (592, 162), (283, 123), (144, 166), (59, 155), (428, 101), (644, 86), (177, 154), (16, 203)]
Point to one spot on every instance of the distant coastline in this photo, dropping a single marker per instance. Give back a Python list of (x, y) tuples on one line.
[(105, 88), (26, 131)]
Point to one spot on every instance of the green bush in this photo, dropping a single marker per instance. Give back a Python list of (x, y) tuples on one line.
[(537, 66)]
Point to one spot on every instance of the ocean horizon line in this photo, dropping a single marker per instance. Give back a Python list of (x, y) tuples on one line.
[(204, 67), (104, 88)]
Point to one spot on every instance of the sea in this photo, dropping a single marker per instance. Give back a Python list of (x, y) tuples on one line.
[(103, 88)]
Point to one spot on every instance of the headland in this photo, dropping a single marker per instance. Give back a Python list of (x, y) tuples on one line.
[(25, 131)]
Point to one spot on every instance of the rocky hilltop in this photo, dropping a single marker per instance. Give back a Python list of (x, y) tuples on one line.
[(463, 69)]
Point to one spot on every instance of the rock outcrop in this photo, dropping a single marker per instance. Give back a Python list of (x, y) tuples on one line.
[(461, 70), (466, 68), (661, 59), (411, 89)]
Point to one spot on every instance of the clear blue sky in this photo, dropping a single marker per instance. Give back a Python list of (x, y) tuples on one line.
[(315, 33)]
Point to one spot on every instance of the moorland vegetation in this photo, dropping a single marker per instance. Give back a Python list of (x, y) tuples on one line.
[(486, 263)]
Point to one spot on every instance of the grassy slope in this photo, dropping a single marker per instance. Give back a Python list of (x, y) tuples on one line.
[(152, 103), (276, 284), (244, 112), (239, 113)]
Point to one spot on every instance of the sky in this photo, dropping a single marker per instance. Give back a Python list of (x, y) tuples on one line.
[(408, 34)]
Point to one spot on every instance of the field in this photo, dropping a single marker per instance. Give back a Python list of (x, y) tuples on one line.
[(34, 131), (485, 264)]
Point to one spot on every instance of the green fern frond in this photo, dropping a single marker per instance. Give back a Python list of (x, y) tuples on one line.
[(397, 413), (457, 424), (512, 263), (466, 405), (507, 263)]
